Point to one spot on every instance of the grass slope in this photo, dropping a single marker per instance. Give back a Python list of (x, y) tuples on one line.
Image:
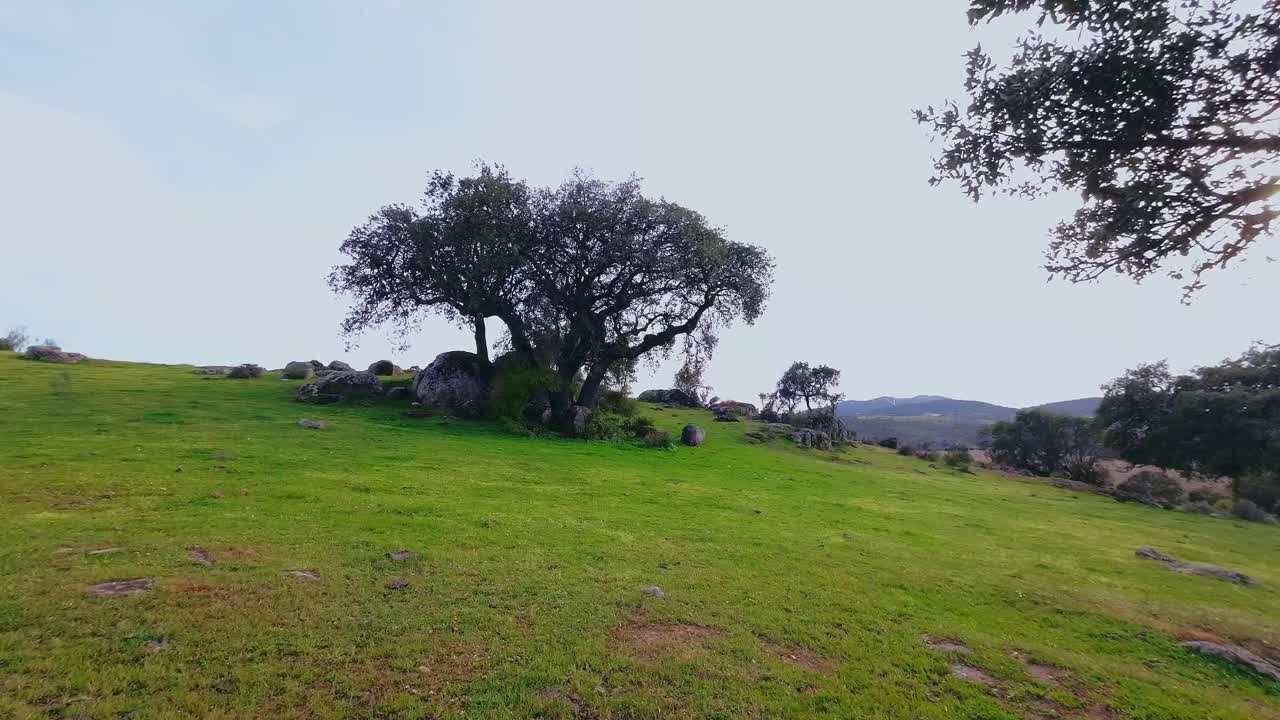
[(797, 584)]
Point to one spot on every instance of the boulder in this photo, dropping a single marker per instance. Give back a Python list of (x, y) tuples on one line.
[(52, 354), (383, 367), (340, 386), (298, 370), (815, 439), (212, 370), (245, 371), (316, 364), (456, 381), (1236, 654), (674, 396), (399, 392), (693, 436), (339, 365), (735, 408)]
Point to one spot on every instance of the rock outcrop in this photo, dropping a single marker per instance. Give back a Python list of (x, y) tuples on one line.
[(1189, 568), (299, 370), (52, 354), (246, 371), (1236, 654), (336, 386)]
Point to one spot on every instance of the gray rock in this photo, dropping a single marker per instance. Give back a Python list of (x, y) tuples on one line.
[(339, 386), (815, 439), (579, 418), (245, 371), (51, 354), (654, 591), (313, 424), (339, 365), (212, 370), (122, 587), (1236, 654), (1189, 568), (383, 367), (400, 555), (316, 364), (735, 408), (396, 584), (399, 393), (298, 370), (456, 381), (674, 396), (693, 436)]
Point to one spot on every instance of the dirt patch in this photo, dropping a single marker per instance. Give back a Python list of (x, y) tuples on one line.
[(396, 584), (653, 642), (801, 657), (155, 647), (972, 674), (135, 586), (556, 696), (941, 644)]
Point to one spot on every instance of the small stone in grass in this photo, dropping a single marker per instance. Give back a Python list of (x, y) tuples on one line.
[(105, 551), (654, 591), (397, 584), (398, 555), (303, 574), (122, 587), (312, 424)]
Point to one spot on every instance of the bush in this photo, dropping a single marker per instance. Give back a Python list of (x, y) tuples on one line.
[(1246, 509), (515, 388), (1198, 507), (1150, 485), (1200, 496), (889, 442), (617, 403), (957, 458), (15, 340), (1260, 488), (659, 439), (906, 450), (1085, 471), (605, 425)]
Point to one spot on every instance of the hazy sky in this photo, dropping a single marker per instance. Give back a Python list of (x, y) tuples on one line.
[(175, 179)]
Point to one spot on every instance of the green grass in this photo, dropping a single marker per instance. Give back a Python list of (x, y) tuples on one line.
[(526, 595)]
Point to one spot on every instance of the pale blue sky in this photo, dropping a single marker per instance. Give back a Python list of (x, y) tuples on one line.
[(175, 179)]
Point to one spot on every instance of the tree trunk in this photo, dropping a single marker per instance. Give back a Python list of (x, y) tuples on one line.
[(591, 386), (482, 342)]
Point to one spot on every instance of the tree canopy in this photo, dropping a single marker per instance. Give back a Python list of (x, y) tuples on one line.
[(1164, 115), (1045, 443), (588, 277), (802, 383), (1217, 420)]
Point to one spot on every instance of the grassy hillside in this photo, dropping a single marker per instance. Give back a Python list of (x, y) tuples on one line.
[(795, 584)]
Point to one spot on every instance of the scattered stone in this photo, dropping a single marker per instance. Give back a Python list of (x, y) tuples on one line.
[(303, 575), (397, 584), (399, 393), (104, 551), (383, 367), (1236, 654), (456, 381), (298, 370), (155, 647), (200, 556), (654, 591), (212, 370), (693, 436), (945, 645), (972, 674), (52, 354), (313, 424), (339, 386), (674, 396), (399, 555), (1189, 568), (245, 371), (135, 586)]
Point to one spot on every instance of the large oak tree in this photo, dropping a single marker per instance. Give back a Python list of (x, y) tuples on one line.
[(1164, 115)]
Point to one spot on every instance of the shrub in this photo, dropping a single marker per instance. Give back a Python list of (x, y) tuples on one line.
[(1085, 471), (906, 450), (1155, 486), (928, 455), (1261, 488), (15, 340), (605, 425), (957, 458), (1200, 496), (1198, 507), (617, 403), (659, 439), (514, 388), (1246, 509), (889, 442)]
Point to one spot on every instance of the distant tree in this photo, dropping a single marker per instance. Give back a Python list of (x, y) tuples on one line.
[(588, 278), (15, 340), (801, 382), (1217, 420), (1163, 114), (1044, 443)]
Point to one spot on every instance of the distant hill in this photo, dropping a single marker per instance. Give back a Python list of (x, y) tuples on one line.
[(936, 420)]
